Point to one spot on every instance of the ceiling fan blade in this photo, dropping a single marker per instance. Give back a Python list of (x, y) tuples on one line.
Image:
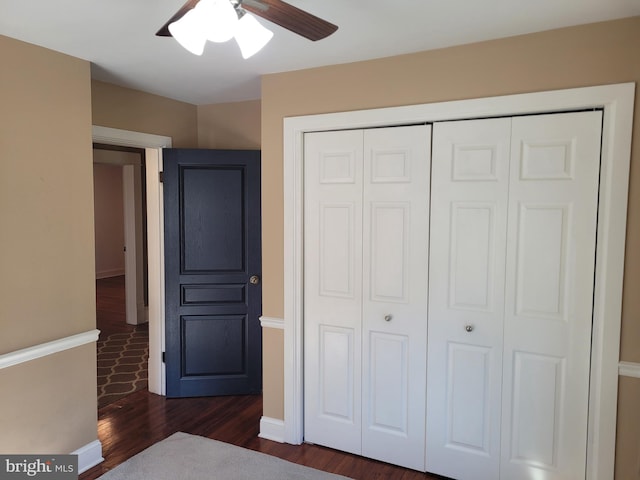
[(276, 11), (164, 31), (290, 17)]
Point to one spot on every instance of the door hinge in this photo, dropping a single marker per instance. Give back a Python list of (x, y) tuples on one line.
[(161, 177), (164, 357)]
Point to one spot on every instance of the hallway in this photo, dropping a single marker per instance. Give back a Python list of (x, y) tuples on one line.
[(122, 349)]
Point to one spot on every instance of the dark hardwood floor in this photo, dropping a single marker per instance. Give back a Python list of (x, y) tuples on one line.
[(110, 307), (139, 420)]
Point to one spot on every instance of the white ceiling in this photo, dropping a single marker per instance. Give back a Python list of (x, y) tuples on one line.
[(118, 37)]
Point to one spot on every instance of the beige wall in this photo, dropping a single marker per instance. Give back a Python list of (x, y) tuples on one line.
[(49, 405), (596, 54), (119, 107), (47, 285), (233, 126), (47, 279), (628, 435), (108, 207)]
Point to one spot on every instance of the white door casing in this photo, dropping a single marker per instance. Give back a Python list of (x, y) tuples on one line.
[(153, 145), (134, 275), (617, 104), (366, 229)]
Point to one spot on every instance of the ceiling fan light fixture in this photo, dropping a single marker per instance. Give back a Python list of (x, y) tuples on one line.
[(189, 33), (219, 19), (251, 35)]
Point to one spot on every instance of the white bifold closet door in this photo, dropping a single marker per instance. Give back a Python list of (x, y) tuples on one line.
[(513, 231), (365, 282)]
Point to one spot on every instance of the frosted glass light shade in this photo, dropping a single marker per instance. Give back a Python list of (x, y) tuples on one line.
[(251, 35), (219, 19), (189, 33)]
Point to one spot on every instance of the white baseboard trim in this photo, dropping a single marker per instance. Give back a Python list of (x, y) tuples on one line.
[(116, 272), (272, 322), (37, 351), (89, 456), (629, 369), (272, 429)]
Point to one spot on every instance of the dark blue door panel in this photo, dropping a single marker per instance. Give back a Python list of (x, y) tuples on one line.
[(212, 248)]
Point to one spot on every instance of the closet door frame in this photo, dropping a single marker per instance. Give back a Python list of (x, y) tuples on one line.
[(617, 104)]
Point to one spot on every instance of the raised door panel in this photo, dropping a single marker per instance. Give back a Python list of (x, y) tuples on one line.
[(538, 388), (389, 383), (389, 251), (396, 181), (333, 289), (224, 186), (336, 374), (471, 272), (470, 176), (337, 250), (468, 377), (555, 163), (541, 263)]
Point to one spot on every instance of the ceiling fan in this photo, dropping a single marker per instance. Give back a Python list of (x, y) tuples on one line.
[(281, 13)]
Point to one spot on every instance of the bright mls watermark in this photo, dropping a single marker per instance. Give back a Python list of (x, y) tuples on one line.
[(50, 467)]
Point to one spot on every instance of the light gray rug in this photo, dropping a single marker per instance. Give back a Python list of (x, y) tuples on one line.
[(190, 457)]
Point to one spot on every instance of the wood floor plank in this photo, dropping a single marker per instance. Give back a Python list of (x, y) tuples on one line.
[(110, 306), (141, 419)]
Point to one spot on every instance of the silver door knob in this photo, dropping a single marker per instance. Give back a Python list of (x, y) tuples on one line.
[(254, 280), (468, 328), (388, 317)]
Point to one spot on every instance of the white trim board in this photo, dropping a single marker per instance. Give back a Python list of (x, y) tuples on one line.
[(629, 369), (617, 103), (155, 265), (48, 348), (272, 322), (127, 138), (89, 456), (272, 429)]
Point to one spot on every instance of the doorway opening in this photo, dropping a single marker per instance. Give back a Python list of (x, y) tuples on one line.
[(121, 271)]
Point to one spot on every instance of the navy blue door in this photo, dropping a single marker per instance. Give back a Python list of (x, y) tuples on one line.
[(213, 293)]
